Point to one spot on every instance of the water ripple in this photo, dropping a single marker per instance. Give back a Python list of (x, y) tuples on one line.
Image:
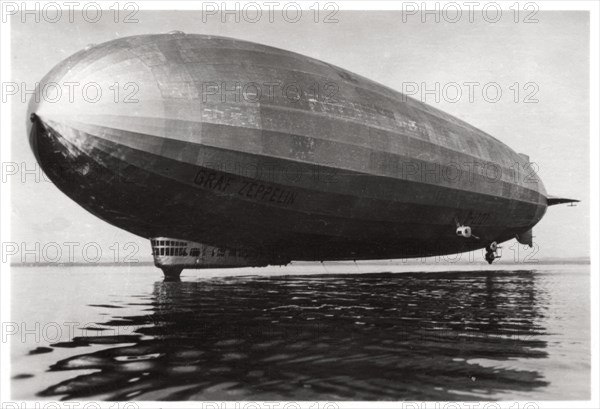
[(433, 336)]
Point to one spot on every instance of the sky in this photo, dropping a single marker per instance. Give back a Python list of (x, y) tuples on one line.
[(551, 56)]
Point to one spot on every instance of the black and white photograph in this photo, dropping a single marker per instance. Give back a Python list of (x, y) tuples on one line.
[(309, 204)]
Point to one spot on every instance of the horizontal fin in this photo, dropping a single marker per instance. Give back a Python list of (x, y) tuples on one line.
[(552, 200)]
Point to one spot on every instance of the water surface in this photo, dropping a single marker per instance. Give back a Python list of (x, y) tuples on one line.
[(126, 334)]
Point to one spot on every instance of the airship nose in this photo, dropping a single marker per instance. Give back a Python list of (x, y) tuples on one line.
[(70, 99), (34, 128), (87, 101), (84, 118), (37, 132), (45, 101), (45, 146), (33, 125), (42, 140), (58, 147)]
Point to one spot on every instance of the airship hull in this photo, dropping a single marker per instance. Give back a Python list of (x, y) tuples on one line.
[(360, 173)]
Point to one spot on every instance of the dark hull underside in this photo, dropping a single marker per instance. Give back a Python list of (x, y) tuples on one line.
[(336, 215)]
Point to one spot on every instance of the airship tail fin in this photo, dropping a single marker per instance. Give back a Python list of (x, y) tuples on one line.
[(553, 200)]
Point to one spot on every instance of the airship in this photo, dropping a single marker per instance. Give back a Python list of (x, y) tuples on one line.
[(227, 153)]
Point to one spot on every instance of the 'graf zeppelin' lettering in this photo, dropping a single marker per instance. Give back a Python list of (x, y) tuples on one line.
[(267, 193), (213, 181), (252, 190)]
